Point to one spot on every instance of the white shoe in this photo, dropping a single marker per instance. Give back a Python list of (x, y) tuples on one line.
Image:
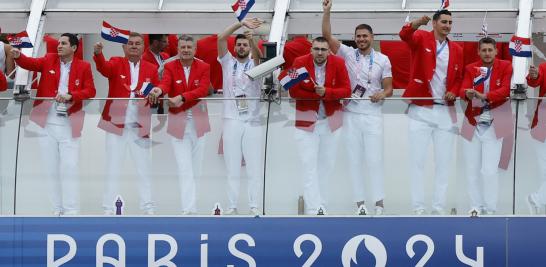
[(419, 212), (379, 210), (231, 211), (532, 204), (362, 210), (255, 212)]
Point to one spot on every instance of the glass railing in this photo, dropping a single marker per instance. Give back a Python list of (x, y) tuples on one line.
[(278, 165)]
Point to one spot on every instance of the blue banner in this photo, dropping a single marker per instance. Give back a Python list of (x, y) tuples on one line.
[(272, 241)]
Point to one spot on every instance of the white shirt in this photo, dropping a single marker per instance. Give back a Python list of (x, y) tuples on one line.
[(236, 83), (439, 78), (187, 70), (360, 72), (131, 114), (53, 118), (3, 58), (320, 76)]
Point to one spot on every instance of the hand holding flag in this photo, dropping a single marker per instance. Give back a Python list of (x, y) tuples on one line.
[(292, 76), (241, 8), (481, 75), (113, 34), (20, 40), (444, 4), (520, 47)]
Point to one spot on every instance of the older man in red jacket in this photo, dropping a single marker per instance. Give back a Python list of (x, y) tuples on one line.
[(185, 81), (437, 67), (127, 123), (488, 120), (537, 199), (318, 119), (68, 80)]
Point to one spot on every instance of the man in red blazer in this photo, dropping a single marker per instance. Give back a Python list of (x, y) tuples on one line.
[(318, 120), (488, 120), (242, 131), (437, 67), (185, 81), (537, 200), (127, 123), (154, 54), (69, 80)]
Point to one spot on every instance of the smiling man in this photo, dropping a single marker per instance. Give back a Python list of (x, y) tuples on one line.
[(486, 87), (437, 67), (371, 77)]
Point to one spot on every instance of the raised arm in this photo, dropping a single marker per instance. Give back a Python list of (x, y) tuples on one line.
[(407, 34), (327, 26), (103, 66), (256, 52), (250, 23)]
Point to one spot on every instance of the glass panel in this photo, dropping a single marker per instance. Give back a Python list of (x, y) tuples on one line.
[(130, 157), (22, 4), (213, 5), (346, 5), (102, 4), (10, 114)]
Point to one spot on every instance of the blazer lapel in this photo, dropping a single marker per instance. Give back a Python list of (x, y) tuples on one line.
[(311, 68)]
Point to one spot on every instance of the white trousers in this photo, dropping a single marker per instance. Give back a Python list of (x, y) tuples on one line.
[(317, 151), (188, 153), (363, 136), (243, 139), (60, 155), (426, 124), (482, 156), (540, 195), (139, 148)]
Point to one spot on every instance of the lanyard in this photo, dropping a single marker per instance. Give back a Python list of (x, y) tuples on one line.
[(236, 79), (439, 50), (359, 66)]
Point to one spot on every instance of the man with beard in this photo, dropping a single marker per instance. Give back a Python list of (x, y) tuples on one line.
[(127, 123), (69, 80), (486, 88), (318, 118), (186, 80), (437, 66), (370, 74), (242, 133)]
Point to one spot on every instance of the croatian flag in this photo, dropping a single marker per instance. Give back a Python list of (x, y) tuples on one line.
[(20, 40), (482, 74), (293, 76), (241, 8), (146, 88), (444, 5), (114, 34), (520, 47)]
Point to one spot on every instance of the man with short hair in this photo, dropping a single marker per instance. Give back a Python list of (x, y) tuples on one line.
[(318, 118), (154, 54), (371, 77), (242, 132), (488, 120), (127, 122), (185, 81), (68, 80), (437, 67)]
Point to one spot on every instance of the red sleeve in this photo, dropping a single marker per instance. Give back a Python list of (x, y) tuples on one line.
[(538, 81), (103, 66), (458, 73), (166, 81), (500, 95), (343, 87), (204, 84), (467, 81), (51, 44), (88, 88), (3, 82), (408, 35), (399, 55), (28, 63)]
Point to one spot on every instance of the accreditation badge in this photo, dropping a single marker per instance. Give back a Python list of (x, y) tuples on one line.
[(242, 104), (61, 109), (358, 91)]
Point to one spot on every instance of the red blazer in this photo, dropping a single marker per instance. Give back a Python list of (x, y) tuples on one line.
[(174, 83), (423, 57), (337, 86), (80, 86), (149, 56), (3, 82), (118, 72), (538, 124)]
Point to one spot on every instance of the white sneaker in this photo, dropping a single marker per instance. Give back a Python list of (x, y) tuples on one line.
[(362, 210), (379, 210), (532, 204), (231, 211), (255, 212), (419, 212)]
